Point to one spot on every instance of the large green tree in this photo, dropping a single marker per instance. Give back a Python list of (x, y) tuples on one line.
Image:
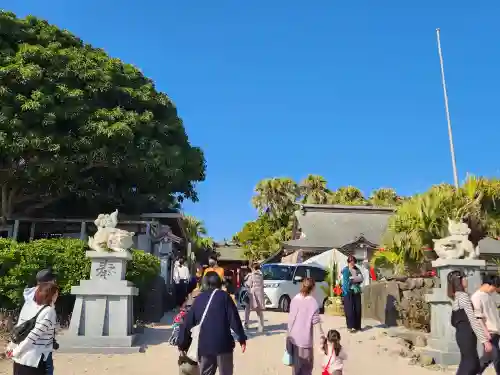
[(424, 217), (82, 131), (262, 237)]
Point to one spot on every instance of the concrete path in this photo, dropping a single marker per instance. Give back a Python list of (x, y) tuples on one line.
[(370, 352)]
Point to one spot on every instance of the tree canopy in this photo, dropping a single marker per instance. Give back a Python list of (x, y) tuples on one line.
[(417, 220), (197, 234), (423, 217), (276, 199), (81, 130)]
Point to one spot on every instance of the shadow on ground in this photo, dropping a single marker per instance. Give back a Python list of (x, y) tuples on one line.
[(155, 336), (369, 327), (269, 330)]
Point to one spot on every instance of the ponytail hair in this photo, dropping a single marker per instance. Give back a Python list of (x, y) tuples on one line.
[(333, 338), (307, 286)]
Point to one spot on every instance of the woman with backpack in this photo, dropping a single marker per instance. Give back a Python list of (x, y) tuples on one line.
[(33, 335)]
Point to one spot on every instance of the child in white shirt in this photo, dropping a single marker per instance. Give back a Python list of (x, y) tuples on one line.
[(335, 355)]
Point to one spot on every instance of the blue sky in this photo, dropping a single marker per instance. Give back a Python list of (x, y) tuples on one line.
[(350, 90)]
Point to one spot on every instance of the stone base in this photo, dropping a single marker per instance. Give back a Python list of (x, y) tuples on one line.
[(440, 357), (441, 344), (99, 345)]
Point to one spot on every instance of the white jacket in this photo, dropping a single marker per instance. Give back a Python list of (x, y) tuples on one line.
[(39, 342)]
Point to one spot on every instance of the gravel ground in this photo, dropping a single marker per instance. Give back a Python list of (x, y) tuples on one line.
[(370, 352)]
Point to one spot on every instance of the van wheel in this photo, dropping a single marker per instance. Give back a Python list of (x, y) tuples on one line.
[(285, 304)]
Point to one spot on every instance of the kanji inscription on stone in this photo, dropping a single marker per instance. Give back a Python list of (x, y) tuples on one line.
[(105, 269)]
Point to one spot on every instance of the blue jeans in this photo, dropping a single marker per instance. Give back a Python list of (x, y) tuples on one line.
[(49, 365)]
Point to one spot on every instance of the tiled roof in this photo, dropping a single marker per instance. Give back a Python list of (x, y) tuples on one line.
[(489, 246), (333, 226), (230, 252)]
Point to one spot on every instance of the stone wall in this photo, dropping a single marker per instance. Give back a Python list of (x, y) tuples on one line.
[(399, 302)]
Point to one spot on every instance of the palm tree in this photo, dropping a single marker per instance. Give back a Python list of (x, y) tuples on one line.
[(276, 197), (388, 260), (347, 195), (197, 234), (384, 197), (313, 190), (424, 217)]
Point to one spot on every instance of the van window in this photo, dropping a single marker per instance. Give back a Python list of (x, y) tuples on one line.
[(318, 274), (303, 272), (276, 272)]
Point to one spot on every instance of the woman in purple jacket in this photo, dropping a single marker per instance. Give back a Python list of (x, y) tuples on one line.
[(303, 317)]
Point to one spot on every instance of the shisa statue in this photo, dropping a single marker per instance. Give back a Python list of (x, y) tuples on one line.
[(457, 245), (108, 237)]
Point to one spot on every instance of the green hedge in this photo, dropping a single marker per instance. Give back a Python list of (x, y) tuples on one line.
[(19, 263)]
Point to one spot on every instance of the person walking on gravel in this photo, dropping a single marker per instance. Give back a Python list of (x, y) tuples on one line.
[(215, 313), (303, 317), (255, 287)]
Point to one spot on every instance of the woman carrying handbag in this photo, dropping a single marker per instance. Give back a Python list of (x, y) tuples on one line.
[(33, 335), (207, 327), (303, 317)]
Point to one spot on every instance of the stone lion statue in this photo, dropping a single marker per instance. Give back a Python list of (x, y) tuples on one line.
[(457, 244), (108, 237)]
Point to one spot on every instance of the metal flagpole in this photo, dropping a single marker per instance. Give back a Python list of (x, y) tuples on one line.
[(450, 133)]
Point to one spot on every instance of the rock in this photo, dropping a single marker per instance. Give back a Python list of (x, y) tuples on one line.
[(405, 353), (420, 341), (419, 282), (413, 361), (426, 360), (408, 337), (404, 343), (403, 285), (429, 283)]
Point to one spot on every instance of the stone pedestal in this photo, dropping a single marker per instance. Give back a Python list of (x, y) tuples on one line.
[(442, 345), (102, 319)]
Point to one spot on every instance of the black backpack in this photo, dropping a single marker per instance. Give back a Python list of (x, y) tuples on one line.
[(20, 332)]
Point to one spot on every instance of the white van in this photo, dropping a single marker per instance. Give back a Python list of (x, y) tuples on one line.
[(282, 282)]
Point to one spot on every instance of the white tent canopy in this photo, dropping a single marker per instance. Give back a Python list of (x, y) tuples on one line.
[(328, 258)]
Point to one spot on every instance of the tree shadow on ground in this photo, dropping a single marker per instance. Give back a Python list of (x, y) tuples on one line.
[(156, 335), (269, 330)]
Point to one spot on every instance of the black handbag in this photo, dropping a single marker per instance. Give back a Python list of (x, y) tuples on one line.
[(20, 332)]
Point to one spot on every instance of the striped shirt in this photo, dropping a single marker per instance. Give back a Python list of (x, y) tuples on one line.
[(462, 301), (39, 342)]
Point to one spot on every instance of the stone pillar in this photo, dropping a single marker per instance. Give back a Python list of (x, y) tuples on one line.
[(102, 319), (442, 345)]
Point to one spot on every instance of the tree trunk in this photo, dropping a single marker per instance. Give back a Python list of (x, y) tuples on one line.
[(4, 203), (7, 202)]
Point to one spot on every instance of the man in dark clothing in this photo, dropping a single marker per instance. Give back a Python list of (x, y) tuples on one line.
[(216, 343)]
